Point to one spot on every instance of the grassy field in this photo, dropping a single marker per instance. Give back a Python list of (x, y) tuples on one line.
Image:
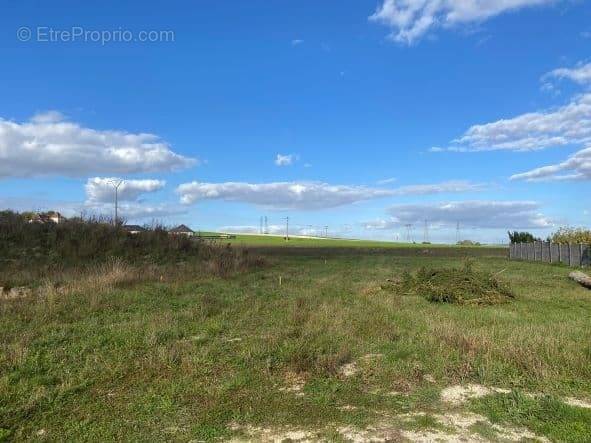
[(247, 240), (307, 347)]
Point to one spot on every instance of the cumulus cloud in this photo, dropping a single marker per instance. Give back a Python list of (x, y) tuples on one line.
[(471, 214), (48, 145), (411, 19), (576, 167), (100, 189), (134, 210), (285, 160), (580, 74), (566, 125), (306, 195), (281, 195)]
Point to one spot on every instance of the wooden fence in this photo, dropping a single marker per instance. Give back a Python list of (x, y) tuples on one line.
[(576, 255)]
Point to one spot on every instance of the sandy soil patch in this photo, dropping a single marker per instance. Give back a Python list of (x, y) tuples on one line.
[(462, 393), (571, 401), (294, 383), (349, 369)]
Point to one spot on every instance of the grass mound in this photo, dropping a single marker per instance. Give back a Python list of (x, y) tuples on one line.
[(464, 285)]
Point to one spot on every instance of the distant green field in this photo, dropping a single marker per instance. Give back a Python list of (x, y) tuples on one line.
[(271, 240)]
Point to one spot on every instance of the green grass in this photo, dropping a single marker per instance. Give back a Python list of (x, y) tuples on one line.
[(275, 240), (182, 360), (546, 415)]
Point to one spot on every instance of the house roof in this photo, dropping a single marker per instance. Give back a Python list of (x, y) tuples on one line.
[(130, 228), (182, 228)]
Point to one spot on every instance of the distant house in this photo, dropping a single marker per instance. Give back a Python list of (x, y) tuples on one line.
[(182, 230), (47, 217), (133, 229)]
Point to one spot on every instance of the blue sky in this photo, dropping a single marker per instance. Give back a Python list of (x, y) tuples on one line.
[(364, 116)]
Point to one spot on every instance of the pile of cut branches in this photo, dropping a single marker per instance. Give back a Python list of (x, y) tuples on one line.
[(464, 285)]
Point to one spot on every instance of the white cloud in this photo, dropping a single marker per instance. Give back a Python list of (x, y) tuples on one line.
[(276, 230), (100, 189), (250, 229), (285, 160), (470, 214), (439, 188), (47, 145), (296, 42), (100, 196), (580, 74), (307, 195), (134, 210), (386, 181), (411, 19), (281, 195), (566, 125), (576, 167)]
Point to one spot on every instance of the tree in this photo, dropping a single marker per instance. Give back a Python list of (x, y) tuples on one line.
[(522, 237)]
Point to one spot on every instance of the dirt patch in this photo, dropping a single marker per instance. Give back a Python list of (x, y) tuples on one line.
[(267, 435), (465, 285), (577, 403), (381, 432), (461, 427), (450, 428), (462, 393), (349, 369)]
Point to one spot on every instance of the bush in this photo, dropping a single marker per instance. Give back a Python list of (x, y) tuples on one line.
[(468, 243), (78, 241), (571, 235)]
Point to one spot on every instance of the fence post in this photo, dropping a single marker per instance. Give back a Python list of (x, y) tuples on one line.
[(569, 254), (580, 255), (559, 252), (550, 251), (534, 246)]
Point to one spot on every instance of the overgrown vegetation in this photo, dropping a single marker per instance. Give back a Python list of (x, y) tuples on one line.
[(464, 285), (571, 235), (110, 355), (34, 252)]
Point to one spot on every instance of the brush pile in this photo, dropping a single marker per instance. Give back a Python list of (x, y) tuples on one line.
[(451, 285)]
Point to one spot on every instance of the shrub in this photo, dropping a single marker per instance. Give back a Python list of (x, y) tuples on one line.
[(571, 235), (93, 241), (468, 243)]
